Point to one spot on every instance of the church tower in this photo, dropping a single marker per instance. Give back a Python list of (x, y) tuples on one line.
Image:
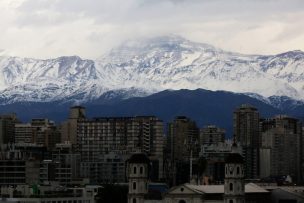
[(138, 166), (234, 179)]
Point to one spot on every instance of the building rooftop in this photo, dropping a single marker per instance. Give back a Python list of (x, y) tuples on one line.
[(219, 189), (295, 190)]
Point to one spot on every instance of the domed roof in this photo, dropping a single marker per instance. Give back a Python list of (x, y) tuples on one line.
[(234, 158), (138, 159)]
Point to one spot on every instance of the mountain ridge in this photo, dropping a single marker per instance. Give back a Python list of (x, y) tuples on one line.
[(148, 66), (205, 107)]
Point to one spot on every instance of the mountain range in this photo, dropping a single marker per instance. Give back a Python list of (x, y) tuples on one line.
[(143, 67), (146, 69)]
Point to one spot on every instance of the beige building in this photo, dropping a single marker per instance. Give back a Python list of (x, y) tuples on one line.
[(246, 120), (182, 133), (39, 131), (211, 135), (122, 135), (69, 127), (281, 147)]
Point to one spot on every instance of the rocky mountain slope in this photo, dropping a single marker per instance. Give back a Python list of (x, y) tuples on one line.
[(143, 67)]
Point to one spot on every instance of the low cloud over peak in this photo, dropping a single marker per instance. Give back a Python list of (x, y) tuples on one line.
[(45, 29)]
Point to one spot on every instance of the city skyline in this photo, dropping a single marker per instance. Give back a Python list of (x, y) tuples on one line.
[(140, 153), (140, 101)]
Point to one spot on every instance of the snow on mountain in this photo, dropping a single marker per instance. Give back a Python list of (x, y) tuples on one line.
[(150, 66), (287, 66), (48, 80), (176, 63)]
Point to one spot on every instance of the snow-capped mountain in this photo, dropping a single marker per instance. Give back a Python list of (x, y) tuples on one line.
[(143, 67), (47, 80)]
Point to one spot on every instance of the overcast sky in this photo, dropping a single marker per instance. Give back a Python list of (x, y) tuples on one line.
[(88, 28)]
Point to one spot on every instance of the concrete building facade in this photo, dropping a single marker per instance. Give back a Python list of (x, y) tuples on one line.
[(211, 135), (215, 155), (182, 145), (69, 127), (7, 125), (123, 136), (39, 131), (247, 132), (281, 147)]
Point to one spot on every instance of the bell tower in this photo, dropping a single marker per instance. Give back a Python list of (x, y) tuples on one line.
[(138, 166), (234, 187)]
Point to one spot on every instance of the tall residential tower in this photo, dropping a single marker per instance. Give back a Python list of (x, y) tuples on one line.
[(246, 133)]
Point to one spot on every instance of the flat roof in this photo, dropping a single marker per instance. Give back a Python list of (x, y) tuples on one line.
[(219, 189)]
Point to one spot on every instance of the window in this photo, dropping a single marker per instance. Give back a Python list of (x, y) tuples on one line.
[(134, 170), (238, 170), (182, 201), (231, 201), (134, 185), (134, 200), (141, 170), (231, 187)]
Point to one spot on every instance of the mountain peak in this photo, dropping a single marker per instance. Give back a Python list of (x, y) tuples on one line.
[(165, 42), (156, 47), (291, 54), (74, 57)]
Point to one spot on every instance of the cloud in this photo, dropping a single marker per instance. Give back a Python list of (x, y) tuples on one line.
[(44, 29)]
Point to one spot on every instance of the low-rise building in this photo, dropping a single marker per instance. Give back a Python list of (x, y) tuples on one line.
[(39, 131), (16, 168), (212, 194), (52, 193)]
